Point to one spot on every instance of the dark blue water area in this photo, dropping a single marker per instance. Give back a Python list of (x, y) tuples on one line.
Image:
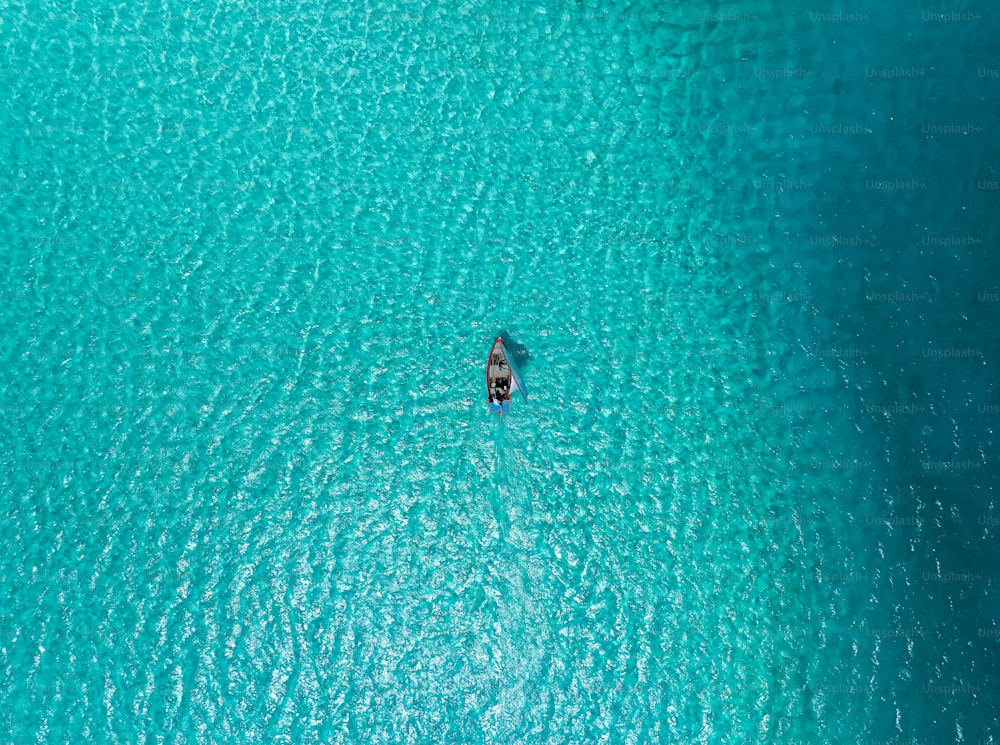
[(887, 168)]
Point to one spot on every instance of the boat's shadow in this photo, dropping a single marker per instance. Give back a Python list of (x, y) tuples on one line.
[(518, 351)]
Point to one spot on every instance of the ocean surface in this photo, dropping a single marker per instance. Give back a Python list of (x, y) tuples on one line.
[(255, 254)]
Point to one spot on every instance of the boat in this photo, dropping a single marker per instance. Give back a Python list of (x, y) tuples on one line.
[(502, 378)]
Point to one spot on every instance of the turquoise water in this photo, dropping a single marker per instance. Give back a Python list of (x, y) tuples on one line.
[(255, 258)]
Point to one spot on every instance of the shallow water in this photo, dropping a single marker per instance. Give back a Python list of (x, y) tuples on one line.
[(256, 258)]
